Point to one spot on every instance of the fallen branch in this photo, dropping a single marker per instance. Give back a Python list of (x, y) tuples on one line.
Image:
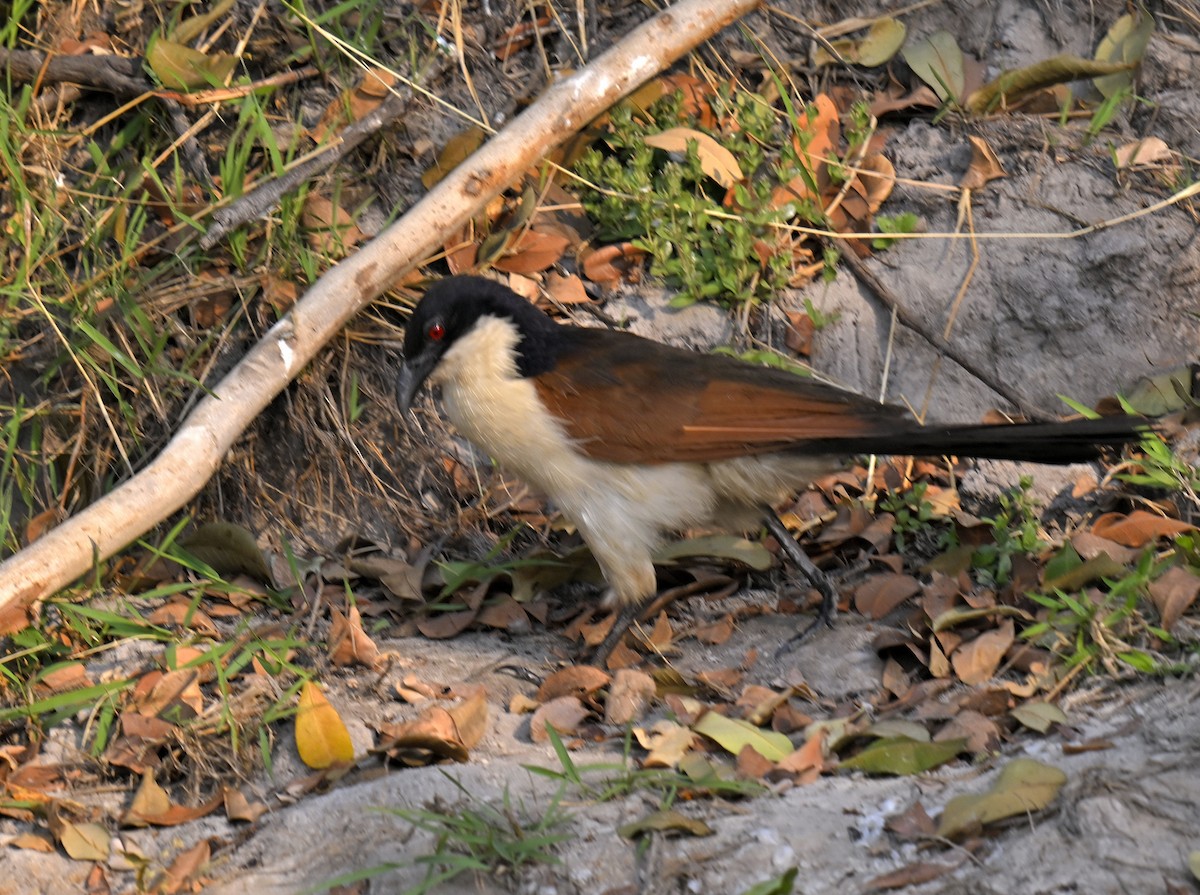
[(197, 449)]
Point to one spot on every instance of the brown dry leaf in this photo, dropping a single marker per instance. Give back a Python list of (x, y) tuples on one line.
[(430, 737), (629, 697), (184, 873), (1146, 151), (174, 695), (894, 99), (331, 228), (824, 129), (450, 624), (715, 160), (31, 841), (563, 714), (71, 676), (349, 644), (574, 680), (878, 176), (984, 167), (622, 657), (180, 613), (751, 765), (609, 265), (910, 875), (915, 824), (505, 614), (661, 634), (534, 251), (471, 718), (321, 736), (238, 807), (150, 799), (800, 332), (880, 594), (1173, 594), (717, 632), (1089, 546), (455, 151), (805, 764), (981, 733), (939, 665), (1139, 528), (976, 661), (566, 290)]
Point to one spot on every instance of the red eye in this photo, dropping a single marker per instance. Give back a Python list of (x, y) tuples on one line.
[(437, 332)]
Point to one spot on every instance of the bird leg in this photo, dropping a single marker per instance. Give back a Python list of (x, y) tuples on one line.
[(817, 578), (628, 614)]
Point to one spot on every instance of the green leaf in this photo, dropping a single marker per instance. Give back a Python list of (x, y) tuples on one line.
[(954, 617), (1014, 84), (665, 822), (747, 552), (1125, 43), (783, 885), (883, 41), (1039, 715), (938, 62), (229, 549), (733, 734), (181, 68), (1099, 566), (1024, 786), (903, 757)]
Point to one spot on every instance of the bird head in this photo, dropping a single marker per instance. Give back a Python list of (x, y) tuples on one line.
[(449, 310)]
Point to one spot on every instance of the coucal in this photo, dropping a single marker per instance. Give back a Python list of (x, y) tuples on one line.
[(631, 438)]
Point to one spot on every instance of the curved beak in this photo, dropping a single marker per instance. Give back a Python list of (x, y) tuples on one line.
[(413, 373)]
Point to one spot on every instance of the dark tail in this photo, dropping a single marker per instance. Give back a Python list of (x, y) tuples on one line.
[(1074, 441)]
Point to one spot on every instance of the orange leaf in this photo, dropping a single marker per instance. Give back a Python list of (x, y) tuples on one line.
[(574, 680), (976, 661), (1139, 528), (880, 594), (533, 252), (321, 736), (349, 644)]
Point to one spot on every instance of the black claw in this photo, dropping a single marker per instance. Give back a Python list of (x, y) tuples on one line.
[(829, 597)]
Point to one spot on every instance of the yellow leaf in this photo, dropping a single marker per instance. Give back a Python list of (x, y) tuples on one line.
[(321, 735), (715, 160)]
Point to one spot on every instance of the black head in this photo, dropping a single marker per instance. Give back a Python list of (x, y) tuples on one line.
[(450, 309)]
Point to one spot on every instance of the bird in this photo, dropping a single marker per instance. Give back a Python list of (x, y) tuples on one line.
[(632, 439)]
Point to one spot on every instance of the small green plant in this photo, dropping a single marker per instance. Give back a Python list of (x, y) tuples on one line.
[(1092, 627), (905, 222), (475, 836), (1015, 531), (1162, 468), (915, 519), (669, 207)]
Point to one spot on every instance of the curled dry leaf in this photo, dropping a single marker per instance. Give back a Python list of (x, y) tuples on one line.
[(976, 661), (666, 743), (984, 167), (609, 265), (471, 718), (430, 737), (349, 644), (629, 697), (563, 714), (1139, 528), (1173, 594), (575, 680)]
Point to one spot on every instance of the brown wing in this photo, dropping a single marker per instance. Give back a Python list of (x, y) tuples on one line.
[(627, 399)]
